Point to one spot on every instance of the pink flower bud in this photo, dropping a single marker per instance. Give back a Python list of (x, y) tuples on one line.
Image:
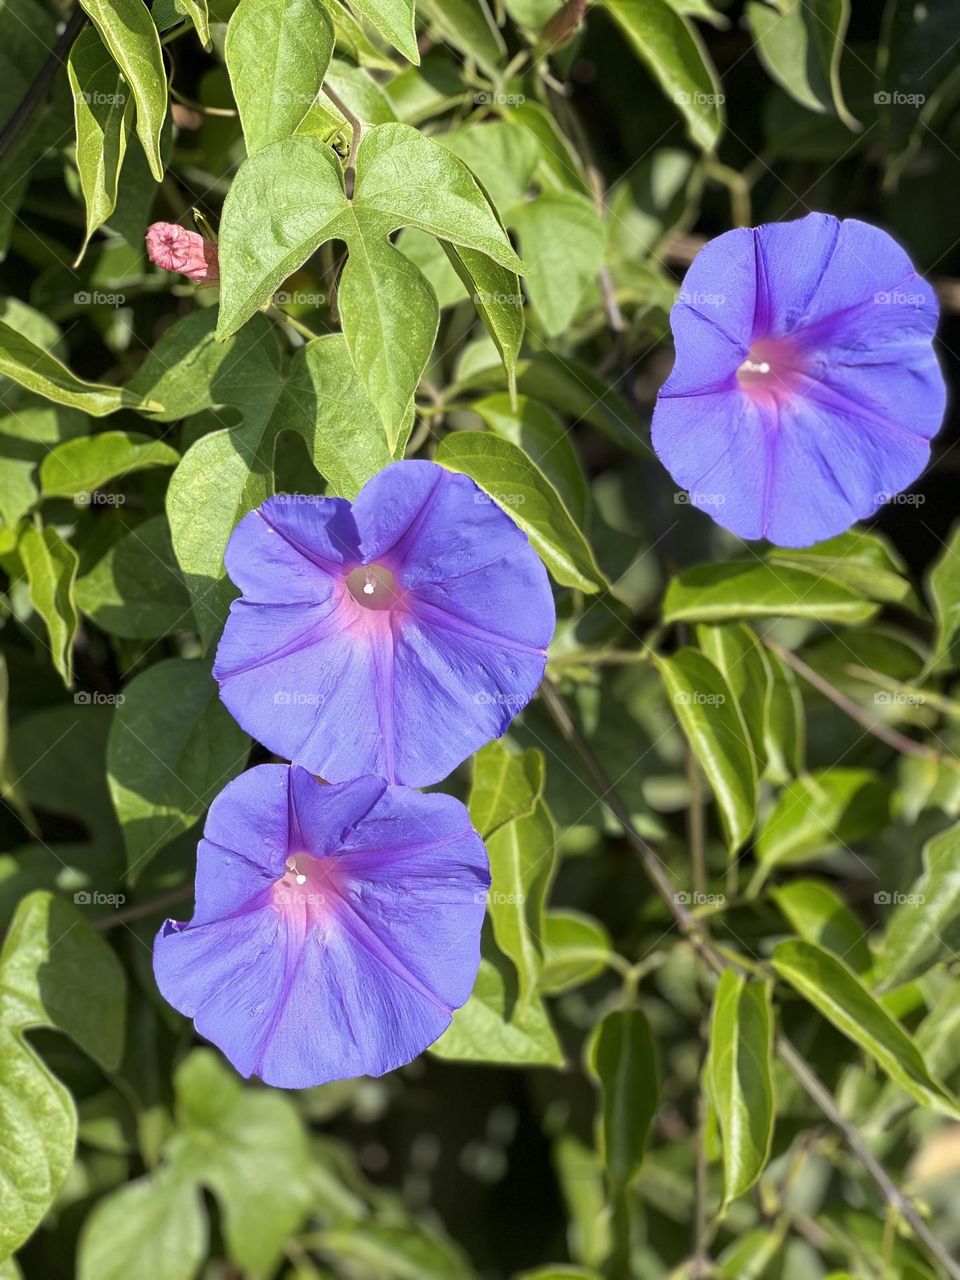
[(176, 249)]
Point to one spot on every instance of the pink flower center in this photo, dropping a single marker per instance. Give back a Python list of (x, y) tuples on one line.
[(772, 367), (305, 889), (373, 587)]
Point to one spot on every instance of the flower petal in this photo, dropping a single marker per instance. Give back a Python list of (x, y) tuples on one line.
[(361, 980), (406, 692), (712, 320)]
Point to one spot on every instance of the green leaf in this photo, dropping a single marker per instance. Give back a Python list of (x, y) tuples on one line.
[(136, 590), (834, 991), (388, 310), (324, 401), (818, 914), (497, 297), (199, 15), (922, 928), (562, 240), (575, 949), (77, 467), (943, 587), (711, 720), (100, 112), (395, 1252), (26, 434), (506, 785), (541, 435), (676, 58), (718, 592), (172, 747), (390, 317), (502, 157), (250, 1148), (51, 568), (36, 369), (522, 857), (55, 971), (469, 27), (623, 1058), (765, 692), (860, 560), (403, 179), (277, 54), (152, 1226), (739, 1078), (504, 471), (784, 722), (821, 812), (800, 44), (129, 32), (733, 649), (491, 1028), (394, 20)]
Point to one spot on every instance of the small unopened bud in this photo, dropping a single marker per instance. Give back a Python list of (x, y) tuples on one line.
[(176, 249)]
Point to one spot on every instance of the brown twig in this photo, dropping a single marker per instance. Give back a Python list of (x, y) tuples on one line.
[(350, 173), (892, 737)]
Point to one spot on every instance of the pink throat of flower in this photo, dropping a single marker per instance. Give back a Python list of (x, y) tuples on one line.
[(305, 891), (374, 587), (773, 367)]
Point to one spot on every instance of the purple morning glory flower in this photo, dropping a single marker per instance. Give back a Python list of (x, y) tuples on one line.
[(805, 390), (393, 636), (336, 927)]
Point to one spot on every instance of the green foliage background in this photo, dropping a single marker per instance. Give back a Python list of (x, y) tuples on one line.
[(716, 1027)]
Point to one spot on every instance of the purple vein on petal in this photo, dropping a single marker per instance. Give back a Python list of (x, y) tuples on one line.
[(375, 946), (427, 611)]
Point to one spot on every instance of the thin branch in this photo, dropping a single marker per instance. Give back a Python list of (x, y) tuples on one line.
[(892, 737), (141, 909), (350, 173), (37, 91), (815, 1089), (561, 717)]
